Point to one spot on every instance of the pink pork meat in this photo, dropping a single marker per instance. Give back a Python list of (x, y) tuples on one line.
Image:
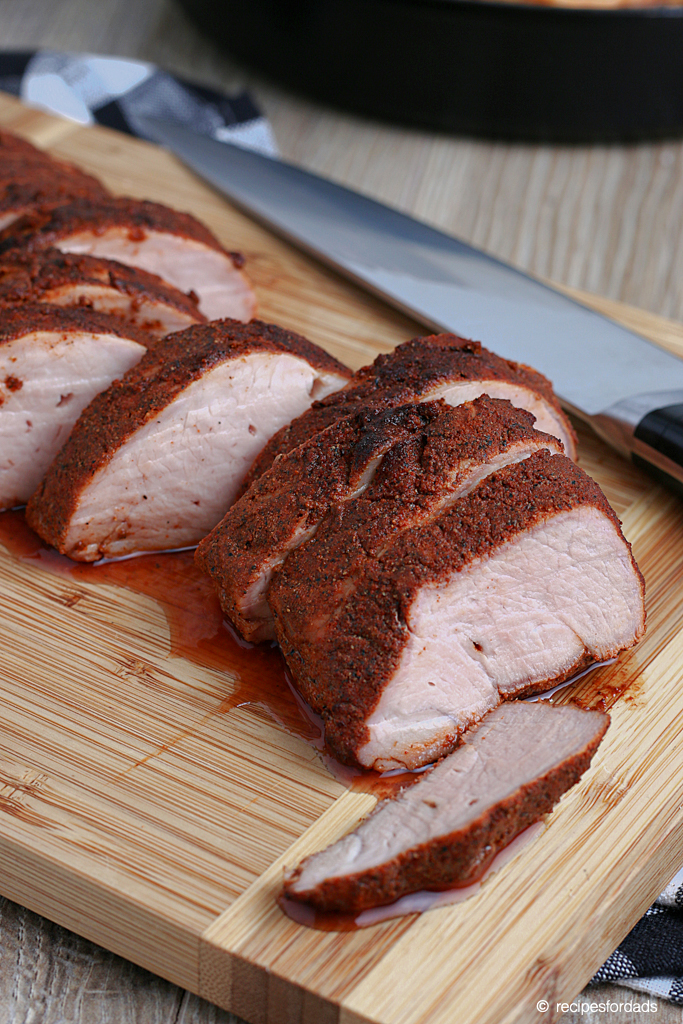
[(157, 459), (53, 361)]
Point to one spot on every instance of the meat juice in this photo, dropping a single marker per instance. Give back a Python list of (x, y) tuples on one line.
[(199, 634), (414, 902)]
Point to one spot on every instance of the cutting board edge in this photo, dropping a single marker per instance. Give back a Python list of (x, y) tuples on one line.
[(256, 991), (84, 906), (243, 984)]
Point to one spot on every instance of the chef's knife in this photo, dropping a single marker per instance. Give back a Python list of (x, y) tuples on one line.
[(628, 389)]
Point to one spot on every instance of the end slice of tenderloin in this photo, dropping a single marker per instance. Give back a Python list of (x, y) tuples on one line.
[(513, 589), (67, 279), (442, 831), (408, 463), (53, 361), (30, 179), (422, 370), (24, 190), (148, 235), (155, 461)]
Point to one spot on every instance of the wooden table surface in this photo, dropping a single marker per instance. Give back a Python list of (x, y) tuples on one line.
[(606, 219)]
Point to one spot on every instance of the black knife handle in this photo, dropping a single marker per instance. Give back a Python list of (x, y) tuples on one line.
[(662, 429)]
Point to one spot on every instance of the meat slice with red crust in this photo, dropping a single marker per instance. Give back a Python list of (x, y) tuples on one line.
[(148, 235), (441, 832), (30, 178), (155, 461), (24, 189), (406, 641), (422, 370), (408, 463), (53, 361), (66, 279)]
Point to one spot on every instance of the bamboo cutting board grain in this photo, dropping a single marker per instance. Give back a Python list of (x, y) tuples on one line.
[(149, 795)]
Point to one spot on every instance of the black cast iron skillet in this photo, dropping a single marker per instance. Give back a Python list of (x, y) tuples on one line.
[(511, 71)]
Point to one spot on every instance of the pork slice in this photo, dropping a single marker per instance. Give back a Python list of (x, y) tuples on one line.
[(510, 770), (407, 463), (43, 186), (53, 361), (426, 369), (66, 279), (147, 235), (511, 590), (155, 461)]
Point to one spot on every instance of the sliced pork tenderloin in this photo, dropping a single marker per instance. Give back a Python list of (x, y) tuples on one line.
[(53, 361), (67, 279), (406, 462), (30, 178), (148, 235), (443, 830), (24, 190), (424, 369), (155, 461), (513, 589)]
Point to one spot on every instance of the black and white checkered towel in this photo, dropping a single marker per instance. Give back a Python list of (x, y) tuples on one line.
[(650, 959), (115, 92)]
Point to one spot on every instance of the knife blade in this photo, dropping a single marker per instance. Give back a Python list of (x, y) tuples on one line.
[(627, 388)]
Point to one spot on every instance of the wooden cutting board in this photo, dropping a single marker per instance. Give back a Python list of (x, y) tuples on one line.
[(155, 778)]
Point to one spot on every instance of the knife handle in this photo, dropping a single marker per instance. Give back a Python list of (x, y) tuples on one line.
[(662, 430), (648, 428)]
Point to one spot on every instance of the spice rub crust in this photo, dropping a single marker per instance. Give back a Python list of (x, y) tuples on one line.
[(409, 374), (26, 277), (43, 187), (45, 228), (17, 321)]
